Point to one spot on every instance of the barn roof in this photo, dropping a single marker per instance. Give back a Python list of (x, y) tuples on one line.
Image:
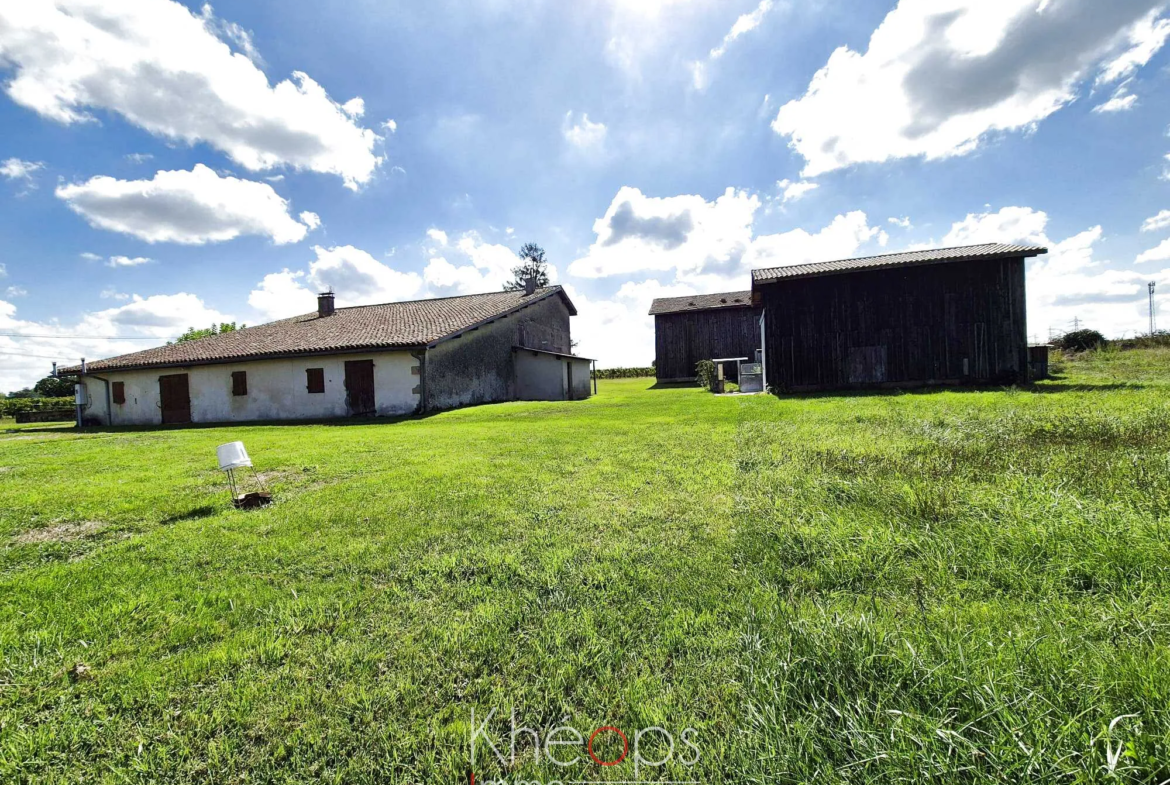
[(701, 302), (906, 258), (387, 326)]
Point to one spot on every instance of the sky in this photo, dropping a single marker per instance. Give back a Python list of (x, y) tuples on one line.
[(168, 165)]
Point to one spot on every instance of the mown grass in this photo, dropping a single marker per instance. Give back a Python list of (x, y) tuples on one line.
[(936, 586)]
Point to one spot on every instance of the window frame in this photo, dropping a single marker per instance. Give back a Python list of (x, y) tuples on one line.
[(317, 376), (239, 383)]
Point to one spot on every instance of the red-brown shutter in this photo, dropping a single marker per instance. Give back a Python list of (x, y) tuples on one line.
[(316, 379), (119, 392), (239, 382)]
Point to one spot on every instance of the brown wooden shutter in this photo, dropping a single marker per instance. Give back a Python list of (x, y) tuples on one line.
[(316, 379), (239, 382), (119, 392)]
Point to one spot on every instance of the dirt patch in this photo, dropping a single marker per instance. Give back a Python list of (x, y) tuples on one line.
[(61, 532)]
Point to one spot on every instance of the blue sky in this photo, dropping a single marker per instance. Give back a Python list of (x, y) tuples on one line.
[(167, 165)]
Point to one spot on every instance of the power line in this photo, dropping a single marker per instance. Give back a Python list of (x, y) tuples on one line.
[(36, 356)]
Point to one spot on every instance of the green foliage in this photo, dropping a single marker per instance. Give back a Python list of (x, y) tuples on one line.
[(54, 387), (195, 333), (623, 373), (27, 392), (706, 374), (1079, 341), (937, 586), (533, 264), (10, 406)]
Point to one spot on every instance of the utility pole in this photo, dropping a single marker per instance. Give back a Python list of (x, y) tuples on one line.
[(1153, 324)]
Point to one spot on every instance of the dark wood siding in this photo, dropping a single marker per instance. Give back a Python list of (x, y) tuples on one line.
[(941, 323), (682, 339)]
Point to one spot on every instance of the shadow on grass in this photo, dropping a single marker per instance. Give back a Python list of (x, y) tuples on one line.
[(339, 422), (205, 511), (1044, 388)]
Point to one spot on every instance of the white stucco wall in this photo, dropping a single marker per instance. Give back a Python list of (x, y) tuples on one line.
[(277, 390)]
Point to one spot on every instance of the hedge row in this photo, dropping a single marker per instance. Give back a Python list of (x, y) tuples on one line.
[(10, 406), (622, 373)]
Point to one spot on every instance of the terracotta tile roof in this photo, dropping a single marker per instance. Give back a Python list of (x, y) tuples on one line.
[(386, 326), (701, 302), (931, 256)]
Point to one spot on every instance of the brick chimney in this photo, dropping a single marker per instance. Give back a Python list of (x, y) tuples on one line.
[(530, 286), (325, 304)]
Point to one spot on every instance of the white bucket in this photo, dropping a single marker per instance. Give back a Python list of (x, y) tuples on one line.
[(232, 456)]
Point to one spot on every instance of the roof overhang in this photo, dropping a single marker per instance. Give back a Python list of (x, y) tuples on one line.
[(819, 269), (91, 371), (554, 354)]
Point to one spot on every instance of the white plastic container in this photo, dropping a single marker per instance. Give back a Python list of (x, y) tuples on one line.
[(232, 456)]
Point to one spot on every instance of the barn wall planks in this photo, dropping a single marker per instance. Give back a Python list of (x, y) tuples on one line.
[(931, 324), (682, 339)]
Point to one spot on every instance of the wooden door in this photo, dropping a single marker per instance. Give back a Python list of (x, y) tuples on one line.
[(359, 388), (175, 394), (568, 380)]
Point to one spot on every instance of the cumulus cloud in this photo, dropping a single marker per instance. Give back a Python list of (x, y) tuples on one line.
[(939, 75), (1156, 222), (192, 208), (355, 276), (1161, 253), (903, 222), (584, 135), (311, 220), (1122, 100), (706, 244), (488, 267), (174, 74), (155, 319), (437, 235)]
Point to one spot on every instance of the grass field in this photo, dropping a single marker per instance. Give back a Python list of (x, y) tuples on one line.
[(942, 586)]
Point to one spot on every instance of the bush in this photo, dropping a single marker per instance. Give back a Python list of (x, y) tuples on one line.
[(705, 374), (10, 406), (622, 373), (1079, 341)]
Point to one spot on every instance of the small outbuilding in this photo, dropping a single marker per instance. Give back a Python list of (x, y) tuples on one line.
[(371, 360), (940, 316), (702, 327)]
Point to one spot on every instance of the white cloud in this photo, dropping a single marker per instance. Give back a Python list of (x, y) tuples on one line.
[(1011, 223), (1161, 253), (390, 125), (16, 169), (616, 331), (489, 268), (794, 190), (939, 75), (126, 261), (138, 158), (110, 293), (16, 291), (584, 135), (438, 235), (354, 107), (171, 73), (356, 277), (90, 257), (3, 271), (1159, 221), (193, 207), (904, 222), (155, 318), (743, 25), (1145, 39), (1121, 101), (706, 244), (311, 220)]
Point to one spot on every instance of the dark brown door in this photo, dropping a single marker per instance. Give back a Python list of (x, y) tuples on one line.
[(359, 387), (569, 380), (176, 398)]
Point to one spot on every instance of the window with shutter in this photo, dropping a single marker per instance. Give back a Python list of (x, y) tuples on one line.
[(316, 379), (119, 392), (239, 382)]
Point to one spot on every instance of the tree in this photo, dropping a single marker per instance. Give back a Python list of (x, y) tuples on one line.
[(194, 334), (53, 387), (532, 265), (27, 392), (1081, 340)]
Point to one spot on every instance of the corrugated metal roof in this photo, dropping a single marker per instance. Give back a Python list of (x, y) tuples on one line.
[(701, 302), (385, 326), (928, 256)]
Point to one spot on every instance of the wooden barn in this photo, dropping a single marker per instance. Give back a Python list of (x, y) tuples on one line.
[(942, 316), (702, 327)]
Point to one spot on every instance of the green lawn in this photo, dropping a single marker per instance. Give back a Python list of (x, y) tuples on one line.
[(932, 586)]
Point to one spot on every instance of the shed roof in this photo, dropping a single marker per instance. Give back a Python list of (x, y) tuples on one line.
[(905, 258), (700, 302), (387, 326)]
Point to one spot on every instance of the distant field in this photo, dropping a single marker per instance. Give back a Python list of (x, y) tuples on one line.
[(934, 586)]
